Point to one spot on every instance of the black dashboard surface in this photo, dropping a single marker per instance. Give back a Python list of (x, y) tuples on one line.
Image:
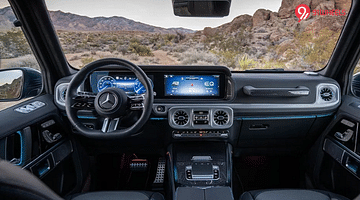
[(231, 89), (286, 123)]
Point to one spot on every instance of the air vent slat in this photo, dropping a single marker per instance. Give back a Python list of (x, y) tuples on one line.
[(221, 117), (326, 94), (181, 118)]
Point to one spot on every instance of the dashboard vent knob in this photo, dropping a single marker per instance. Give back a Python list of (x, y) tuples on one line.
[(326, 94), (181, 118), (221, 117)]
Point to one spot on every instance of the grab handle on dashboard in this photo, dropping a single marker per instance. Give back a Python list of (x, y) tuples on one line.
[(276, 92)]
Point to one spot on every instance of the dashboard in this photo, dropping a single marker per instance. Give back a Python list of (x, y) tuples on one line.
[(198, 102)]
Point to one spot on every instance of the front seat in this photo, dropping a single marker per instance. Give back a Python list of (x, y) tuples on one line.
[(16, 183), (293, 194)]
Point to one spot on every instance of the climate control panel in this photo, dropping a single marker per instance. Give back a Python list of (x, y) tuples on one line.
[(183, 117)]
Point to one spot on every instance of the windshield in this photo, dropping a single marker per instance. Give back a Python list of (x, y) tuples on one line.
[(258, 34)]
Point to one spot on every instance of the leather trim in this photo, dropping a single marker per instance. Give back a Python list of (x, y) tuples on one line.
[(120, 195), (293, 194)]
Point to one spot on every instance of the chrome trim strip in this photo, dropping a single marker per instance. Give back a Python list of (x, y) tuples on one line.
[(58, 90)]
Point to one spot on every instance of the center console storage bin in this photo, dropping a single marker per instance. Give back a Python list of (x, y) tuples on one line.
[(202, 164)]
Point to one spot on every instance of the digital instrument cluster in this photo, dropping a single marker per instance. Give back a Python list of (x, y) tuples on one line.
[(165, 85), (129, 83), (192, 85)]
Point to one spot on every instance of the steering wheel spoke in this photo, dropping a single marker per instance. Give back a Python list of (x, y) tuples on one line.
[(136, 102), (110, 124), (84, 101)]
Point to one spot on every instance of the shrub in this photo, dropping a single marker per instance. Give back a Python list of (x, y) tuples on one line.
[(140, 50), (134, 40), (155, 38), (123, 49), (315, 48), (193, 57), (86, 61), (228, 58), (170, 37), (179, 37), (112, 48), (13, 44), (246, 63), (134, 57)]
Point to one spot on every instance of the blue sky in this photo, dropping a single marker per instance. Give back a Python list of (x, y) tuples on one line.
[(6, 77), (155, 12)]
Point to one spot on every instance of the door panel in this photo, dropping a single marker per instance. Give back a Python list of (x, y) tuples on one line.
[(338, 159), (38, 141)]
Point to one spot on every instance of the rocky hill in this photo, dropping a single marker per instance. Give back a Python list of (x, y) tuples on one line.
[(269, 36), (7, 18), (11, 91), (72, 22)]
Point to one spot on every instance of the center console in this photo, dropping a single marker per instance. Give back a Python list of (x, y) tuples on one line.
[(200, 169), (200, 122)]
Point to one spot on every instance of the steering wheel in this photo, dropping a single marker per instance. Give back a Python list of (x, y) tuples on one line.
[(111, 103)]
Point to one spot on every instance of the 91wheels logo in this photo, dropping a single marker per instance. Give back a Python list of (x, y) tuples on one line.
[(302, 12)]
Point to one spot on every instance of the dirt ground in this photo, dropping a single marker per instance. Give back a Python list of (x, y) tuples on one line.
[(160, 57)]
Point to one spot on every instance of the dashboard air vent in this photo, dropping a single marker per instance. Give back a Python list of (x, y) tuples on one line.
[(326, 94), (181, 118), (221, 117), (63, 94)]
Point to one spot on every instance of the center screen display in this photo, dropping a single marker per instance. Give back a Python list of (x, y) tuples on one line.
[(192, 85)]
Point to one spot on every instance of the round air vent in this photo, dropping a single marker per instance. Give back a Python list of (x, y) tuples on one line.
[(63, 94), (221, 117), (356, 84), (326, 94), (181, 118)]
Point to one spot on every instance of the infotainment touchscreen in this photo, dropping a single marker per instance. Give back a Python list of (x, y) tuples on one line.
[(192, 85)]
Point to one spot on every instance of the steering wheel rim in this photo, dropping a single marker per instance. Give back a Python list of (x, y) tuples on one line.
[(85, 72)]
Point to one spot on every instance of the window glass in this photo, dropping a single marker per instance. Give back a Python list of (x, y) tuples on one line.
[(14, 48), (258, 34)]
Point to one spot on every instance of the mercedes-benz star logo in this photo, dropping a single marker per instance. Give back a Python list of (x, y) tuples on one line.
[(107, 100)]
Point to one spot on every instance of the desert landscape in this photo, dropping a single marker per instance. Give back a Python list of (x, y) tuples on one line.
[(265, 40)]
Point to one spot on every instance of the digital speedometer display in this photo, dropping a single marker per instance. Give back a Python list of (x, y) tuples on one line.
[(192, 85), (129, 83)]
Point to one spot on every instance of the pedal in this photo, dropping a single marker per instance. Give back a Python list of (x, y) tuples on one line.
[(160, 172), (139, 165)]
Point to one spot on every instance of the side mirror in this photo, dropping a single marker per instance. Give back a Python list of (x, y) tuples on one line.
[(19, 83), (201, 8)]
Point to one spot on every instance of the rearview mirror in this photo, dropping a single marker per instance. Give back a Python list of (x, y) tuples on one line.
[(19, 83), (201, 8)]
